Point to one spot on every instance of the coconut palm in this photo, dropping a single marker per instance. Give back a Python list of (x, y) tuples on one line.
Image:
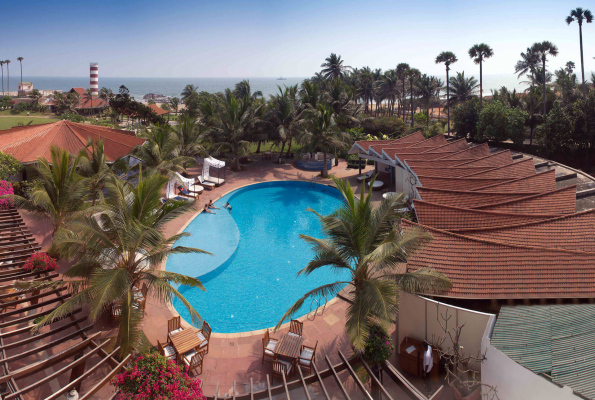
[(479, 53), (2, 68), (579, 15), (426, 88), (58, 192), (121, 253), (88, 97), (310, 94), (161, 150), (402, 71), (528, 65), (389, 87), (323, 134), (188, 91), (544, 49), (36, 96), (7, 62), (243, 89), (569, 67), (231, 125), (366, 242), (106, 95), (286, 115), (175, 103), (413, 74), (463, 89), (448, 58), (190, 134), (21, 62), (333, 67)]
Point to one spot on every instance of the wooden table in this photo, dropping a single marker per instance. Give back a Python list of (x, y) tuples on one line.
[(289, 346), (185, 341)]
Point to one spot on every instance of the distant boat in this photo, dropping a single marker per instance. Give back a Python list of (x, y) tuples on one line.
[(281, 79)]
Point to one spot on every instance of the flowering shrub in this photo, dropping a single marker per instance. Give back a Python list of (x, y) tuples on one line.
[(379, 346), (6, 188), (40, 262), (153, 376)]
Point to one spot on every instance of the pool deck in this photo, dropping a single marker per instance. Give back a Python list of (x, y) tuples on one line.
[(236, 357)]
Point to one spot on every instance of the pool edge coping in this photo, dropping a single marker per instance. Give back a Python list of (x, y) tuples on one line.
[(219, 335)]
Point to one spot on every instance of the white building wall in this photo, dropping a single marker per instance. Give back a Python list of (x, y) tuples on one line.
[(512, 380)]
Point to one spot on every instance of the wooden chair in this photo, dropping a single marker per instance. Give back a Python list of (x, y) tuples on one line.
[(4, 308), (116, 312), (173, 326), (193, 360), (204, 335), (296, 327), (307, 357), (268, 347), (281, 367), (167, 350)]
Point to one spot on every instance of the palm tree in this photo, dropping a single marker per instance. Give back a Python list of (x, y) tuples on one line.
[(310, 94), (580, 15), (7, 62), (389, 87), (447, 57), (426, 87), (2, 67), (402, 71), (365, 241), (478, 53), (106, 95), (413, 75), (161, 150), (88, 97), (231, 125), (120, 255), (528, 64), (190, 134), (21, 62), (570, 66), (243, 89), (463, 89), (333, 67), (59, 191), (286, 115), (324, 134), (189, 90), (544, 49), (175, 103)]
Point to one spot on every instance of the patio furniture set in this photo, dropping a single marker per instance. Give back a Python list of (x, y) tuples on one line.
[(367, 176), (288, 352), (186, 346)]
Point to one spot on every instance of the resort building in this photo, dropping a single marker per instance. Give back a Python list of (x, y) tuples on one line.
[(86, 105), (156, 109), (25, 88)]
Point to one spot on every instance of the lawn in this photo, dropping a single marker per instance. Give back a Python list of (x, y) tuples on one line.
[(268, 146), (9, 122), (24, 113)]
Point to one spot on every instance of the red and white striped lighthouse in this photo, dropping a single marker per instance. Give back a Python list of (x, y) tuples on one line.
[(94, 78)]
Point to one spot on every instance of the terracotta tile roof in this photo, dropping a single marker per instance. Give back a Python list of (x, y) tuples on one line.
[(449, 148), (570, 232), (541, 182), (412, 138), (78, 90), (475, 152), (27, 143), (497, 159), (434, 141), (560, 202), (517, 169), (468, 198), (457, 219), (453, 172), (482, 269), (156, 109), (457, 183), (435, 164)]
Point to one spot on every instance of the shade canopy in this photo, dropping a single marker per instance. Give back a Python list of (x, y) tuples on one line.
[(211, 162)]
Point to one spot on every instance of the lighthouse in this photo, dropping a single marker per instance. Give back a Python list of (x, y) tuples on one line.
[(94, 74)]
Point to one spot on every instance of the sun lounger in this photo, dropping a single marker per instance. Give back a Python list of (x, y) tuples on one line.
[(191, 184), (215, 180), (171, 192), (366, 176), (208, 185)]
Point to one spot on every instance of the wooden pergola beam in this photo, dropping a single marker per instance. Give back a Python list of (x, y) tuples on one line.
[(330, 365), (37, 337), (107, 378), (31, 317), (27, 328), (34, 306), (356, 378)]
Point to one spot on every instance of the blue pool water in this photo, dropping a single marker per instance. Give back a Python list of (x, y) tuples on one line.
[(251, 279)]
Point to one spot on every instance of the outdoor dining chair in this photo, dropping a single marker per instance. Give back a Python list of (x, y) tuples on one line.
[(167, 350), (296, 327), (204, 335), (268, 347), (193, 360), (173, 326), (282, 367), (307, 357)]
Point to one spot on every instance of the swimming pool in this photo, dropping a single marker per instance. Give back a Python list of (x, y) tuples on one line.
[(251, 279)]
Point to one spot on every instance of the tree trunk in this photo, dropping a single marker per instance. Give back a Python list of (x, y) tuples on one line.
[(258, 148), (580, 33), (288, 148), (403, 102), (411, 94), (447, 101), (324, 167), (543, 89), (281, 152), (480, 84)]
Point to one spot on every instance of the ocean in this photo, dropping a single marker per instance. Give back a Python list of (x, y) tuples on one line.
[(173, 86)]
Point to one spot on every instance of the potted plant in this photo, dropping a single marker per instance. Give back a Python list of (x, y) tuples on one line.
[(40, 262), (379, 346), (153, 376)]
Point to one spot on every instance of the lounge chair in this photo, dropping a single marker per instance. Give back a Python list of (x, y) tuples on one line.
[(268, 347), (190, 184), (208, 185), (365, 176), (215, 180), (183, 191), (171, 192)]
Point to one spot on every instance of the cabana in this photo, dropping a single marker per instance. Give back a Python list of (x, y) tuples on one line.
[(209, 163)]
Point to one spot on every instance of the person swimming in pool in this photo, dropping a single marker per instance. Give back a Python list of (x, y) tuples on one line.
[(211, 205), (207, 210), (227, 206)]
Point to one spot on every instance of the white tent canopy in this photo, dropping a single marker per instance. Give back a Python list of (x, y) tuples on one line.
[(207, 164)]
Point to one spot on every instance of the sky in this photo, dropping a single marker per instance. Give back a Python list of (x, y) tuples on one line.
[(233, 38)]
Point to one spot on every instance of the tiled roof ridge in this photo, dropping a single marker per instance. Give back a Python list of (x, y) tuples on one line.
[(473, 192), (40, 132), (473, 239), (462, 151), (510, 214), (113, 131), (481, 158), (550, 171), (428, 140), (445, 145), (514, 163), (543, 221), (533, 196)]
